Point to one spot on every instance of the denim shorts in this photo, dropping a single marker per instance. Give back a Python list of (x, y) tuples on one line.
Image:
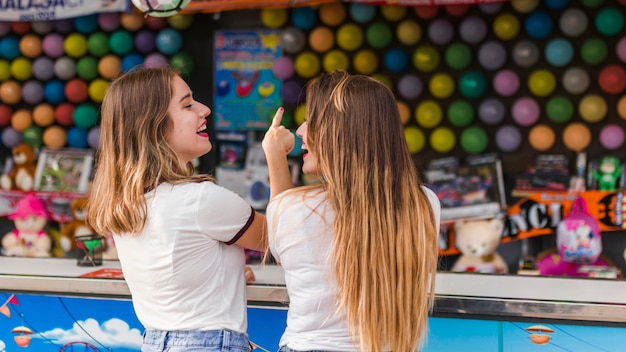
[(194, 341), (287, 349)]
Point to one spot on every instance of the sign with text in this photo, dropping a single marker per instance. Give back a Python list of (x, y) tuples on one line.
[(47, 10)]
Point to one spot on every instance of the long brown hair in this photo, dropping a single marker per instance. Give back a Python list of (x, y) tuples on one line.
[(385, 249), (134, 154)]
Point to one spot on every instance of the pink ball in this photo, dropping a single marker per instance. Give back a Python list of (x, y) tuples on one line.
[(621, 49), (283, 67), (506, 83), (525, 111), (109, 21), (612, 136), (155, 60), (53, 45)]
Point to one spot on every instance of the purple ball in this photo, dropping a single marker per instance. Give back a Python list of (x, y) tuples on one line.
[(43, 68), (473, 29), (508, 138), (506, 83), (109, 21), (612, 137), (64, 26), (491, 111), (11, 137), (440, 31), (145, 41), (283, 67), (492, 55), (621, 49), (410, 86), (491, 8), (42, 27), (93, 137), (32, 92), (53, 45), (155, 60), (525, 111), (292, 92), (5, 28)]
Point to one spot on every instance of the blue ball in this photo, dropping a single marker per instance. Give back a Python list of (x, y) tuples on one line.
[(131, 60), (559, 52), (396, 60), (169, 41), (556, 4), (77, 137), (304, 17), (9, 47), (86, 24), (54, 91), (362, 13), (538, 24)]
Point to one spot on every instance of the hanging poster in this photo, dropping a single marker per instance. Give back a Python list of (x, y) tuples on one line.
[(31, 11), (246, 93)]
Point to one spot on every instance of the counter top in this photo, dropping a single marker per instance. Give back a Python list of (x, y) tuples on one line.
[(495, 296)]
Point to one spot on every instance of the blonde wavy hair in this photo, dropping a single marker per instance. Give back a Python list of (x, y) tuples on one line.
[(134, 155), (385, 249)]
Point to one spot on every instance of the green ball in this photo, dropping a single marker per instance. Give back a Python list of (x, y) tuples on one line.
[(559, 109), (592, 3), (98, 44), (609, 21), (472, 84), (460, 113), (458, 56), (183, 62), (87, 68), (85, 116), (121, 42), (378, 35), (33, 136), (594, 51), (474, 140)]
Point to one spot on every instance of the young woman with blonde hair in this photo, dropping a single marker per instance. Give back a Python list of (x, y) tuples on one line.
[(179, 236), (359, 248)]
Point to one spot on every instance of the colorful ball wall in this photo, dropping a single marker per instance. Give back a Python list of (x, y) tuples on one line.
[(526, 75), (53, 75)]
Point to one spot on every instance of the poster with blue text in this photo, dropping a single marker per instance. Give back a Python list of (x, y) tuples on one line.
[(246, 93)]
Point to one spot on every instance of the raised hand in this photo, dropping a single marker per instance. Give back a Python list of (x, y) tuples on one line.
[(278, 140)]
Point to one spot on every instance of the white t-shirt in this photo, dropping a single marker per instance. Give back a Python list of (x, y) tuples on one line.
[(181, 272), (301, 238)]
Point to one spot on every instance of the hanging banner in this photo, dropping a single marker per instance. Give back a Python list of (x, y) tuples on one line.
[(247, 93), (47, 10), (540, 213)]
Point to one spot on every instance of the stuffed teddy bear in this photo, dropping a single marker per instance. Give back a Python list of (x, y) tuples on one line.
[(28, 239), (22, 174), (477, 240), (76, 227)]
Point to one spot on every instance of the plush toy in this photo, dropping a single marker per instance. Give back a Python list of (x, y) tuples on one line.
[(607, 173), (28, 239), (477, 240), (76, 227), (22, 174)]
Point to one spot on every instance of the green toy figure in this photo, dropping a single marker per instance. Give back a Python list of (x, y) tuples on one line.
[(607, 173)]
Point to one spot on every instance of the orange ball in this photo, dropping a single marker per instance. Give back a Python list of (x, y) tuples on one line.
[(405, 112), (621, 107), (332, 14), (43, 115), (321, 39), (541, 137), (109, 66), (21, 120), (30, 46), (132, 21), (576, 136), (55, 137), (10, 92)]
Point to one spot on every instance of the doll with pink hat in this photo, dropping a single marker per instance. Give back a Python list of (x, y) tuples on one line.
[(29, 238)]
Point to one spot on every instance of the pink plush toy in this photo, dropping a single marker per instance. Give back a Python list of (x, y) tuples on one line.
[(28, 239)]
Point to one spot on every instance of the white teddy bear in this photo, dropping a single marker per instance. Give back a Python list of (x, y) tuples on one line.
[(477, 240)]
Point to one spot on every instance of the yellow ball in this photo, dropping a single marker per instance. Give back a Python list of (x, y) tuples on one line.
[(442, 139), (335, 60), (393, 13), (97, 89), (365, 62), (541, 137), (307, 64), (426, 58), (21, 68), (5, 70), (409, 32), (274, 18), (441, 85), (576, 136), (524, 6), (541, 83), (506, 26), (300, 115), (180, 21), (349, 37), (415, 139), (592, 108), (75, 45), (428, 114)]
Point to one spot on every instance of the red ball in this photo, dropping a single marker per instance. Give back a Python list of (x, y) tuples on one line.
[(76, 90), (612, 79), (5, 114), (64, 114), (426, 12)]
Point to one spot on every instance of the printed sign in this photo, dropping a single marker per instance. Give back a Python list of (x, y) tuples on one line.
[(47, 10)]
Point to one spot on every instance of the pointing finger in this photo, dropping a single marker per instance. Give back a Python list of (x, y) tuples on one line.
[(278, 117)]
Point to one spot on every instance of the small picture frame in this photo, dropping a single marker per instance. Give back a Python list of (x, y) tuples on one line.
[(63, 170)]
